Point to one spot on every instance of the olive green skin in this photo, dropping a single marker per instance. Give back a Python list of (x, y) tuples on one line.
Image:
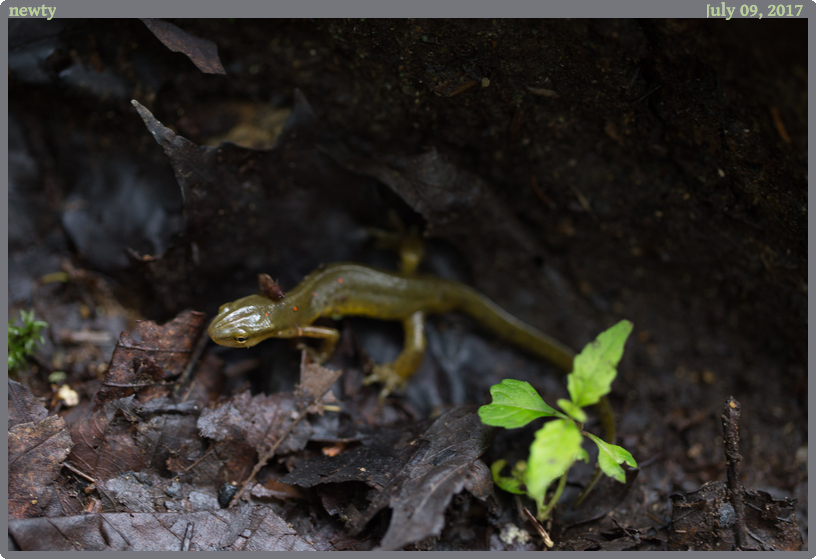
[(346, 289)]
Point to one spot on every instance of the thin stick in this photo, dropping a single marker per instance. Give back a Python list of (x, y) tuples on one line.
[(191, 364), (730, 419), (539, 528), (79, 473), (197, 462)]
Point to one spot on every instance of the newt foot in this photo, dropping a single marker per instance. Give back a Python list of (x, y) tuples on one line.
[(386, 375)]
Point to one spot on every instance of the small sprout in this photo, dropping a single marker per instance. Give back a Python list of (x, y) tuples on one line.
[(22, 340), (557, 444)]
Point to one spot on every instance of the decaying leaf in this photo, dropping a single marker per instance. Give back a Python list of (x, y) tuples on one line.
[(36, 453), (268, 425), (134, 424), (315, 381), (160, 356), (247, 528), (103, 441), (453, 200), (244, 423), (202, 52), (23, 407), (414, 471)]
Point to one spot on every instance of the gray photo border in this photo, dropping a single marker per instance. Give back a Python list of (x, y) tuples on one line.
[(373, 9)]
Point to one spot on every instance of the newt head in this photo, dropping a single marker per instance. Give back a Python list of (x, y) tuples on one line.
[(248, 321)]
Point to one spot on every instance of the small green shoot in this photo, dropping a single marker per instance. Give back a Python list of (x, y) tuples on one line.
[(557, 444), (22, 340)]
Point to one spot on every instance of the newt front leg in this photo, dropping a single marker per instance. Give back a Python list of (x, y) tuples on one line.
[(395, 375), (330, 337)]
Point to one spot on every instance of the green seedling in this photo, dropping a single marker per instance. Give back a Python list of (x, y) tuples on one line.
[(22, 340), (557, 444)]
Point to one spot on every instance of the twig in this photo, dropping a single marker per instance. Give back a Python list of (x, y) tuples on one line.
[(583, 201), (730, 419), (645, 96), (188, 537), (780, 126), (197, 462), (539, 528), (191, 364), (78, 472), (540, 193)]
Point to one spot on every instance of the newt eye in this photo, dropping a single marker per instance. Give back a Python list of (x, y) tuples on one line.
[(240, 339)]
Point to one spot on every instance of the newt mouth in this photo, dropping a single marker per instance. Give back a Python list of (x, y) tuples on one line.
[(218, 336)]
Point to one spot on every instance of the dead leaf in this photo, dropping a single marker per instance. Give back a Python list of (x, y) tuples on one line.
[(126, 492), (371, 463), (315, 381), (135, 423), (277, 490), (103, 447), (414, 471), (254, 420), (202, 52), (245, 423), (36, 453), (146, 366), (246, 528), (249, 124), (453, 200), (23, 407)]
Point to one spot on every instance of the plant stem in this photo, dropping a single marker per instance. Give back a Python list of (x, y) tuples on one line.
[(562, 482)]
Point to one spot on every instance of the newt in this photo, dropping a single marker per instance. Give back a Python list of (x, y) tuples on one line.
[(348, 289)]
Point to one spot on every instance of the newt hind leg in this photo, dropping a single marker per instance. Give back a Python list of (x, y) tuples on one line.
[(396, 374), (404, 240)]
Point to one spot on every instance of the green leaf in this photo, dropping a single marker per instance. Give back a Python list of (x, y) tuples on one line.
[(552, 453), (572, 410), (594, 368), (610, 456), (582, 455), (513, 483), (515, 404)]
